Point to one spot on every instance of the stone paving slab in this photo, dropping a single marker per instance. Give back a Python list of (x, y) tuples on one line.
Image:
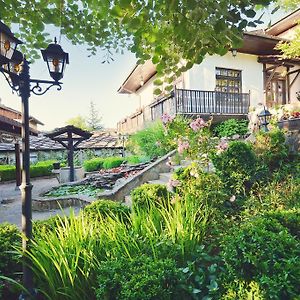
[(10, 201)]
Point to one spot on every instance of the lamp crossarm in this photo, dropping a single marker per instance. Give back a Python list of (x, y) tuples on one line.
[(37, 89), (7, 77)]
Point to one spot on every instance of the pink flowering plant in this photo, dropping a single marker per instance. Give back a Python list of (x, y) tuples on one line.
[(192, 138)]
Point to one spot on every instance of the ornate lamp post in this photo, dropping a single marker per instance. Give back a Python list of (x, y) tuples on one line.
[(123, 138), (264, 119), (16, 71)]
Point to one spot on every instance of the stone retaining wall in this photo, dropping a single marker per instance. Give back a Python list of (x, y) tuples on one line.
[(118, 193)]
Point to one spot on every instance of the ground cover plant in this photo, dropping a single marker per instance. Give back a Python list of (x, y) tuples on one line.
[(66, 190), (231, 232)]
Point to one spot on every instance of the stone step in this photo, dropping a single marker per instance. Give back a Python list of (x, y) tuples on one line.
[(157, 181), (165, 176), (185, 163), (128, 201)]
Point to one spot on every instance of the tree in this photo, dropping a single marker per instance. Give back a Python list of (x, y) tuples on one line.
[(94, 121), (290, 49), (174, 34), (78, 121)]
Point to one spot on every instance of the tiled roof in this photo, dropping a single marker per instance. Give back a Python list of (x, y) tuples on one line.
[(99, 140)]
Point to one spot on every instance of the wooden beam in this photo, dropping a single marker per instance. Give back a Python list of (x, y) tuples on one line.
[(287, 80), (295, 71), (17, 164), (293, 81), (270, 78)]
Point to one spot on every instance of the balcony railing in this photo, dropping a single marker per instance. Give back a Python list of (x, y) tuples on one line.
[(188, 102)]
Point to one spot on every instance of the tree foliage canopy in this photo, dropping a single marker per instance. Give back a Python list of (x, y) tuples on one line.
[(175, 34)]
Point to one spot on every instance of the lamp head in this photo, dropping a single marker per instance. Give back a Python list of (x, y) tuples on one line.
[(8, 44), (56, 60)]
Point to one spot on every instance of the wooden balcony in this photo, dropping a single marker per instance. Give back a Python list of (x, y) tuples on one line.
[(195, 102), (190, 103)]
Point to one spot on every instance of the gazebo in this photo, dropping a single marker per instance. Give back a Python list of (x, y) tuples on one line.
[(69, 137)]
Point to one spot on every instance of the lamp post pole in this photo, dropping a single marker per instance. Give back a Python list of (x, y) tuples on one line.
[(26, 186), (15, 69)]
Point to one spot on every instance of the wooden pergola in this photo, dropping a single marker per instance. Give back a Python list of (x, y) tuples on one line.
[(70, 137), (11, 129)]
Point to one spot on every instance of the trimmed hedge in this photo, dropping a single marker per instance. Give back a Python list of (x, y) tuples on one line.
[(112, 162), (93, 164), (43, 168), (97, 163)]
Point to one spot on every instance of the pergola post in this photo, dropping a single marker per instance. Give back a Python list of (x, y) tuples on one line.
[(18, 164), (71, 155)]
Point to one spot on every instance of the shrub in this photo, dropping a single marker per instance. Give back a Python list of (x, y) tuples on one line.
[(271, 148), (43, 168), (290, 219), (7, 173), (231, 127), (236, 167), (135, 159), (283, 194), (199, 186), (144, 278), (262, 250), (149, 141), (112, 162), (147, 194), (243, 290), (9, 239), (106, 208), (93, 164)]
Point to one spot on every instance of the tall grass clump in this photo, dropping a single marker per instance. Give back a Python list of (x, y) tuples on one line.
[(64, 260)]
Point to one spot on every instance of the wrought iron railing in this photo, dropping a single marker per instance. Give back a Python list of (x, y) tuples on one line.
[(201, 102), (188, 102)]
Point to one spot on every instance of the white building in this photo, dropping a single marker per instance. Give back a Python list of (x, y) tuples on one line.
[(222, 86)]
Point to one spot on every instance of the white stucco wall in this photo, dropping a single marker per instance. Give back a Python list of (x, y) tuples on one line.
[(203, 77), (145, 93)]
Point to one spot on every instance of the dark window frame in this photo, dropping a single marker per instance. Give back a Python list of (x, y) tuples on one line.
[(228, 80)]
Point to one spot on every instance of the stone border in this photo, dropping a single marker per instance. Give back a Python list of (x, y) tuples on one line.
[(118, 193), (151, 172)]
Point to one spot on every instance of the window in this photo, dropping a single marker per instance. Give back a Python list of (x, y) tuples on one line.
[(228, 80)]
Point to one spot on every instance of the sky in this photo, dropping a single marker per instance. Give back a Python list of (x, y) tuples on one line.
[(86, 79)]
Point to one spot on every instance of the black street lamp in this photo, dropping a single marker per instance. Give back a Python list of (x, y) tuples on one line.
[(264, 118), (15, 68), (123, 138)]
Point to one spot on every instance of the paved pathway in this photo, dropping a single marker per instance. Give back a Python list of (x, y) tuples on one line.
[(10, 201)]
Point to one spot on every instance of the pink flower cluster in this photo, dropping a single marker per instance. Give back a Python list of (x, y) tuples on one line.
[(198, 124), (223, 145), (166, 118), (182, 145)]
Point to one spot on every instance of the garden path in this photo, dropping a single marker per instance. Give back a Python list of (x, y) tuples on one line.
[(10, 201)]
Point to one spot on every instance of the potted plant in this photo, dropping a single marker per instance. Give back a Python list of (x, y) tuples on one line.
[(290, 121)]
